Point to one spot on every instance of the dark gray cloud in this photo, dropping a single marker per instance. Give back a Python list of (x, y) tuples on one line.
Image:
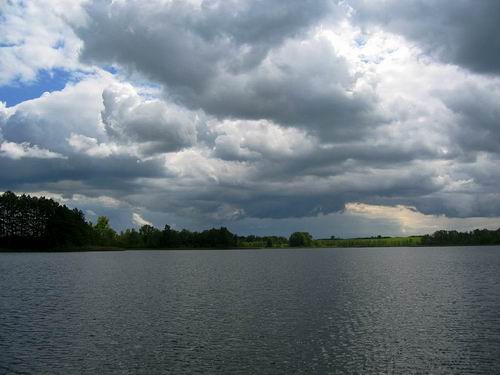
[(286, 196), (461, 32), (301, 84), (47, 132), (184, 43), (152, 125), (77, 168), (236, 59), (477, 114), (264, 112)]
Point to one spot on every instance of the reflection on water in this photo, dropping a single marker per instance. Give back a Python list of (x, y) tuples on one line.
[(419, 310)]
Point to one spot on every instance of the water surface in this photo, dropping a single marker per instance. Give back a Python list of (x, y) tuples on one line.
[(384, 310)]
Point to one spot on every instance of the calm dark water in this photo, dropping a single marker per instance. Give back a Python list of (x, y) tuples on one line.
[(393, 310)]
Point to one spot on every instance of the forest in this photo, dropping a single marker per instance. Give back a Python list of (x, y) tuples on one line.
[(39, 223), (452, 237), (33, 223)]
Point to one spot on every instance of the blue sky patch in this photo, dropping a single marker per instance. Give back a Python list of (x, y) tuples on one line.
[(47, 81)]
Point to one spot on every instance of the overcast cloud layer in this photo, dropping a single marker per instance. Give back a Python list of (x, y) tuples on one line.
[(342, 118)]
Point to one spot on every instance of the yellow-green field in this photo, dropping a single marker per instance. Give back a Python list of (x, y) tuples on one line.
[(370, 242), (351, 242)]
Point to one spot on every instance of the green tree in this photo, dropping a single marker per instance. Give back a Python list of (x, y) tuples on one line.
[(151, 236), (105, 235), (130, 239), (39, 223), (300, 239)]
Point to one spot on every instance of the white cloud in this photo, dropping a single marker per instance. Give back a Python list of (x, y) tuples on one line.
[(48, 121), (139, 220), (47, 43), (91, 147), (103, 200), (80, 199), (16, 151), (251, 140), (154, 125)]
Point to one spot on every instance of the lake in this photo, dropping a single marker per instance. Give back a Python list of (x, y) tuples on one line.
[(377, 310)]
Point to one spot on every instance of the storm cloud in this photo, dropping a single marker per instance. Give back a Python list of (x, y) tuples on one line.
[(259, 115), (462, 32), (237, 59)]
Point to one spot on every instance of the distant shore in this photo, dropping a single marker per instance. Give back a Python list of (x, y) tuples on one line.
[(119, 249), (42, 224)]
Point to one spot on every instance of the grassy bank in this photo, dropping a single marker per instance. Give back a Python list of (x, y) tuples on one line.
[(370, 242), (349, 242)]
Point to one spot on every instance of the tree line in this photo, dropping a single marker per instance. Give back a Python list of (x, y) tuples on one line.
[(36, 223), (39, 223), (452, 237), (28, 222)]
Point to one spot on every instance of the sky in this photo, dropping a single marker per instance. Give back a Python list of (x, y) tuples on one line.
[(346, 118)]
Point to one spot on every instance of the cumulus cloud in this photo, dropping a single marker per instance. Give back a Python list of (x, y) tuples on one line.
[(48, 121), (157, 127), (211, 57), (60, 136), (302, 84), (462, 32), (186, 43), (253, 140), (46, 44), (476, 110), (90, 146), (99, 115), (259, 115), (25, 150)]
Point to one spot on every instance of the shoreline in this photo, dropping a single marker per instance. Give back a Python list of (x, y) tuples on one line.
[(115, 249)]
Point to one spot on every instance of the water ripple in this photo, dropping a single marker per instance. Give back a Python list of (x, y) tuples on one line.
[(339, 311)]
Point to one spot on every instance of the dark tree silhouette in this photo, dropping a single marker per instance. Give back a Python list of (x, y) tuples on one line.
[(452, 237), (32, 223), (103, 234), (153, 238), (300, 239), (40, 223)]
